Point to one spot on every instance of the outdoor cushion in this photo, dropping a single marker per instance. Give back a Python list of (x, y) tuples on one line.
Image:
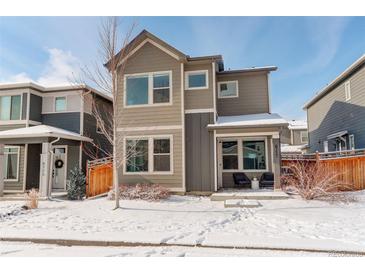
[(267, 179), (241, 179)]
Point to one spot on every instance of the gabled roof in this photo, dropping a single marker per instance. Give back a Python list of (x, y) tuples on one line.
[(249, 120), (357, 64), (145, 36), (54, 89), (42, 131)]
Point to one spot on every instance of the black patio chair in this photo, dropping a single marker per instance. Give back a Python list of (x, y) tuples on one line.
[(267, 180), (241, 179)]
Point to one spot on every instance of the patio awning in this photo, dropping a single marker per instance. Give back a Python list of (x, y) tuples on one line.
[(42, 131), (337, 134), (249, 120)]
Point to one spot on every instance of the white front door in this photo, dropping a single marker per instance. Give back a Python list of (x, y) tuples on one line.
[(59, 168)]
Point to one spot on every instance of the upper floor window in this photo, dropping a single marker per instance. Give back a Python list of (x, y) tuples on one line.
[(304, 136), (228, 89), (347, 90), (196, 79), (10, 107), (60, 104), (148, 89)]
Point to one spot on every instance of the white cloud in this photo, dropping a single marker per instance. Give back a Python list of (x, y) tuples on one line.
[(61, 68)]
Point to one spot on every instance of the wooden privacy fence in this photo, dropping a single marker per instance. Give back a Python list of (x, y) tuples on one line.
[(99, 177), (350, 164)]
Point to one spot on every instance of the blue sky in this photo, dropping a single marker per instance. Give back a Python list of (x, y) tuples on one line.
[(309, 51)]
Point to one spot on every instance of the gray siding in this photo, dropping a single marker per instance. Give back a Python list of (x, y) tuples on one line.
[(199, 152), (332, 113), (297, 137), (69, 121), (8, 127), (35, 108), (73, 156), (285, 136), (253, 94), (33, 165)]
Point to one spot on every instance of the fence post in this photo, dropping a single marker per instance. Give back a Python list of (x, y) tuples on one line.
[(87, 178), (317, 157)]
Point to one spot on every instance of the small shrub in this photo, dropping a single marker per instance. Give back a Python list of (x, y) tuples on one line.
[(311, 181), (148, 192), (31, 199), (76, 187)]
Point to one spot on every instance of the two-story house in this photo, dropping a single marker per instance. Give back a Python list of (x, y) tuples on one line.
[(294, 138), (43, 132), (192, 122), (336, 114)]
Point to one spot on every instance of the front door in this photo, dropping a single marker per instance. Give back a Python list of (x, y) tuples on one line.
[(59, 168)]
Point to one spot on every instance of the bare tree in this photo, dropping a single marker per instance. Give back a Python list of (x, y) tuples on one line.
[(113, 49), (311, 181)]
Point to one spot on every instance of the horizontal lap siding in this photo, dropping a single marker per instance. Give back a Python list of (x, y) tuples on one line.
[(171, 181), (8, 127), (332, 113), (247, 130), (200, 98), (151, 59), (253, 96)]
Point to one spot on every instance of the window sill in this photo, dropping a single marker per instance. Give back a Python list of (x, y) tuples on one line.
[(198, 88)]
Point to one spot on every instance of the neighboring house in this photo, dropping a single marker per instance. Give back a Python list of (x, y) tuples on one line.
[(336, 114), (36, 121), (294, 138), (193, 123)]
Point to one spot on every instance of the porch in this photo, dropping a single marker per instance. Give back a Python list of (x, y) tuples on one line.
[(38, 157)]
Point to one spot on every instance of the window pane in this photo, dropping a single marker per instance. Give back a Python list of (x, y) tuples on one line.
[(197, 80), (15, 107), (137, 90), (12, 167), (230, 162), (161, 162), (161, 95), (60, 104), (161, 146), (228, 89), (161, 81), (254, 155), (137, 153), (229, 147), (5, 102)]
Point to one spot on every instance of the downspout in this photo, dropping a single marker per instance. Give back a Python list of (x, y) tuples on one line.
[(51, 168)]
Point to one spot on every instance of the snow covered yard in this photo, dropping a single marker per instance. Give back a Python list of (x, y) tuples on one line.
[(291, 223)]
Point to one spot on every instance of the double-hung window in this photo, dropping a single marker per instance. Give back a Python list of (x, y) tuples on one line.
[(148, 89), (10, 107), (196, 79), (148, 155), (304, 136), (11, 163), (230, 155), (228, 89)]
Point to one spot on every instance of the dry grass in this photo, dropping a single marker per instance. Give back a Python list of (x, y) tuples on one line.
[(32, 198), (148, 192)]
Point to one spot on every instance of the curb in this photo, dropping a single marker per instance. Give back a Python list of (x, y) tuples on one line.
[(70, 242)]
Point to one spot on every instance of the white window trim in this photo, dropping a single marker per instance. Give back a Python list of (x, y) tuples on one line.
[(353, 142), (347, 91), (150, 139), (301, 137), (6, 166), (240, 154), (21, 106), (54, 104), (325, 146), (226, 82), (187, 73), (150, 89), (239, 146)]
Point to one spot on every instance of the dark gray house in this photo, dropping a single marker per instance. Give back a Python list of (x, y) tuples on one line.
[(336, 114), (44, 133)]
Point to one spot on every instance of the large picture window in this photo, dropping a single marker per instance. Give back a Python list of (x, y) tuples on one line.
[(148, 89), (230, 155), (11, 163), (149, 155), (10, 107), (254, 157)]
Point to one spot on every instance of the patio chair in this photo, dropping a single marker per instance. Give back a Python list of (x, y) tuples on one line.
[(267, 180), (241, 179)]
